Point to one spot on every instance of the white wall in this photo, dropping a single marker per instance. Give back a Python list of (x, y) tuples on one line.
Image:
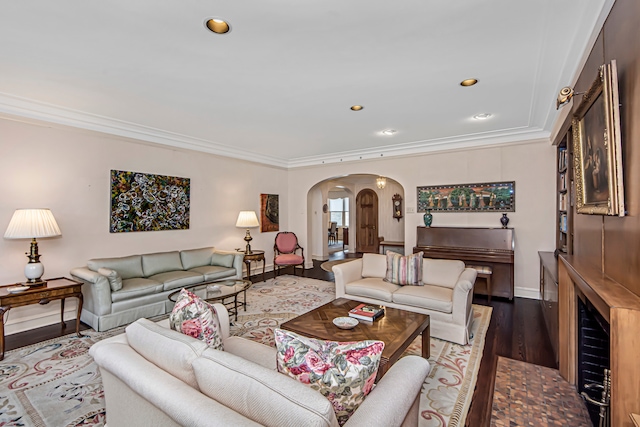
[(68, 171), (531, 166)]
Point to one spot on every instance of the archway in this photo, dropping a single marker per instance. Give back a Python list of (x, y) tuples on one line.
[(348, 186)]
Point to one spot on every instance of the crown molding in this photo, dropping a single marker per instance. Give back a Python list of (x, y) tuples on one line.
[(21, 107), (37, 110), (492, 139)]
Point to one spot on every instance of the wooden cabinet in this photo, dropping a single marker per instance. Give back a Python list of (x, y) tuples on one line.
[(549, 296), (565, 194)]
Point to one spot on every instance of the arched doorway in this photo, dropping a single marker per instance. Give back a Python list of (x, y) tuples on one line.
[(367, 221)]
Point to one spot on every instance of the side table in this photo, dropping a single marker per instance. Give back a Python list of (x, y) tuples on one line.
[(254, 256), (59, 288)]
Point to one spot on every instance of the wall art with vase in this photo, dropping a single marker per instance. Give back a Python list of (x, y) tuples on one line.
[(148, 202)]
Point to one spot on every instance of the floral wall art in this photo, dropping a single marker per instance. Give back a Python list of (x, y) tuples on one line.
[(148, 202)]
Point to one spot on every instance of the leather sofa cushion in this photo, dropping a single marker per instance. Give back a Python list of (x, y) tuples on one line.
[(170, 350), (371, 287), (374, 265), (213, 272), (137, 287), (436, 298), (177, 279), (127, 267), (265, 396), (161, 262), (196, 257), (441, 272)]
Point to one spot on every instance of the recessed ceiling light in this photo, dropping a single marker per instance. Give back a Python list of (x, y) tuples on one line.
[(217, 25), (389, 132), (482, 116), (468, 82), (357, 107)]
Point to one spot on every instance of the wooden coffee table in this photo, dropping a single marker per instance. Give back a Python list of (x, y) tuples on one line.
[(397, 329)]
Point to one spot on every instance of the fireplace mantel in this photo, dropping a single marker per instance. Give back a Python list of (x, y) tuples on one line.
[(621, 308)]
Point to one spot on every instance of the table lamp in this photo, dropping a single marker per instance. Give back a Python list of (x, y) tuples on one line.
[(31, 224), (247, 219)]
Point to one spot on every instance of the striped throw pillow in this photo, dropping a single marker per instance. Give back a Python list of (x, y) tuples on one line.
[(404, 270)]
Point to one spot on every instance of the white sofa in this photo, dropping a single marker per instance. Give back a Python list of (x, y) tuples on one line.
[(147, 280), (155, 376), (446, 296)]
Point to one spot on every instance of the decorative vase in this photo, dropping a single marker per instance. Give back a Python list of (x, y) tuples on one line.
[(428, 218), (504, 220)]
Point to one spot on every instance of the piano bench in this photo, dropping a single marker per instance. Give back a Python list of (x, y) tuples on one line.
[(485, 272)]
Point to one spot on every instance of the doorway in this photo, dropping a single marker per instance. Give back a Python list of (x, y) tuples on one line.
[(367, 221)]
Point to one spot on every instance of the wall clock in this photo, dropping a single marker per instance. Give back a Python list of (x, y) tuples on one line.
[(397, 206)]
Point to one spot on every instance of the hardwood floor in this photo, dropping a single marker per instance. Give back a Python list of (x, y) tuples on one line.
[(516, 331)]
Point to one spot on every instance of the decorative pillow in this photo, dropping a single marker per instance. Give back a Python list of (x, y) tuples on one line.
[(197, 318), (343, 372), (404, 270), (115, 281), (223, 260)]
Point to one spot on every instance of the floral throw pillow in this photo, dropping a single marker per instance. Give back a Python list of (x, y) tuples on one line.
[(197, 318), (404, 270), (344, 372)]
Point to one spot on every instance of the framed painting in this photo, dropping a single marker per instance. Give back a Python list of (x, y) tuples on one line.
[(597, 147), (269, 213), (487, 197), (148, 202)]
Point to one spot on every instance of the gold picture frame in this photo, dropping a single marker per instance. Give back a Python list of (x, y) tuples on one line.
[(597, 147)]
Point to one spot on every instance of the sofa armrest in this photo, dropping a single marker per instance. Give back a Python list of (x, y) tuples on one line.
[(96, 291), (238, 258), (393, 397), (346, 273), (463, 296)]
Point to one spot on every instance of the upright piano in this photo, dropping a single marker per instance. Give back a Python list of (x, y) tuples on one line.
[(493, 247)]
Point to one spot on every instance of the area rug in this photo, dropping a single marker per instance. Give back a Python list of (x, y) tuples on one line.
[(55, 383), (328, 266), (530, 395), (447, 392)]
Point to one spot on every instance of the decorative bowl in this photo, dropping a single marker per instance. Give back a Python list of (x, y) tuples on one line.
[(345, 322), (17, 289)]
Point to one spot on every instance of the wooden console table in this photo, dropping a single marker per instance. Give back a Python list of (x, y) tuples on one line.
[(254, 256), (59, 288)]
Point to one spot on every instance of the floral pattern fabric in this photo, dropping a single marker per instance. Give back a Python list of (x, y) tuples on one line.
[(197, 318), (344, 372)]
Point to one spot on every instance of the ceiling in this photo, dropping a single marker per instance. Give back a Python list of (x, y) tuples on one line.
[(277, 89)]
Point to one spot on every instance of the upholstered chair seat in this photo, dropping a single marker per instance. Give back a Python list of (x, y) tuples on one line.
[(285, 251)]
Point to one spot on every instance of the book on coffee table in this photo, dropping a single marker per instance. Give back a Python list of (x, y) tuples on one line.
[(366, 312)]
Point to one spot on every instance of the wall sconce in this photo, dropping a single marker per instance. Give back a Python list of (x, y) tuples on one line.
[(381, 182), (32, 224), (247, 219), (565, 95)]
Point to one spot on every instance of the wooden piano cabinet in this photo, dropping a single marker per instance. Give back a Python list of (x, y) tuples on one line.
[(621, 308), (493, 247)]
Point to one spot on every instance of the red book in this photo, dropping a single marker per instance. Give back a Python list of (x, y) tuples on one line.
[(366, 312)]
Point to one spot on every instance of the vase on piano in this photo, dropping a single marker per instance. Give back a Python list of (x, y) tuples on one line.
[(427, 218), (504, 220)]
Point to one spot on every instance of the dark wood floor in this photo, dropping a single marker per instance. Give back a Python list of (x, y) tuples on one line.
[(516, 331)]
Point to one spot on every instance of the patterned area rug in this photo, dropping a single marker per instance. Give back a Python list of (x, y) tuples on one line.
[(55, 383), (530, 395)]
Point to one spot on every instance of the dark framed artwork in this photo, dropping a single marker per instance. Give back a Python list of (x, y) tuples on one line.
[(269, 213), (597, 147), (487, 197), (148, 202)]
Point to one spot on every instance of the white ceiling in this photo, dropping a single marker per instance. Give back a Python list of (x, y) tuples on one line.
[(278, 87)]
